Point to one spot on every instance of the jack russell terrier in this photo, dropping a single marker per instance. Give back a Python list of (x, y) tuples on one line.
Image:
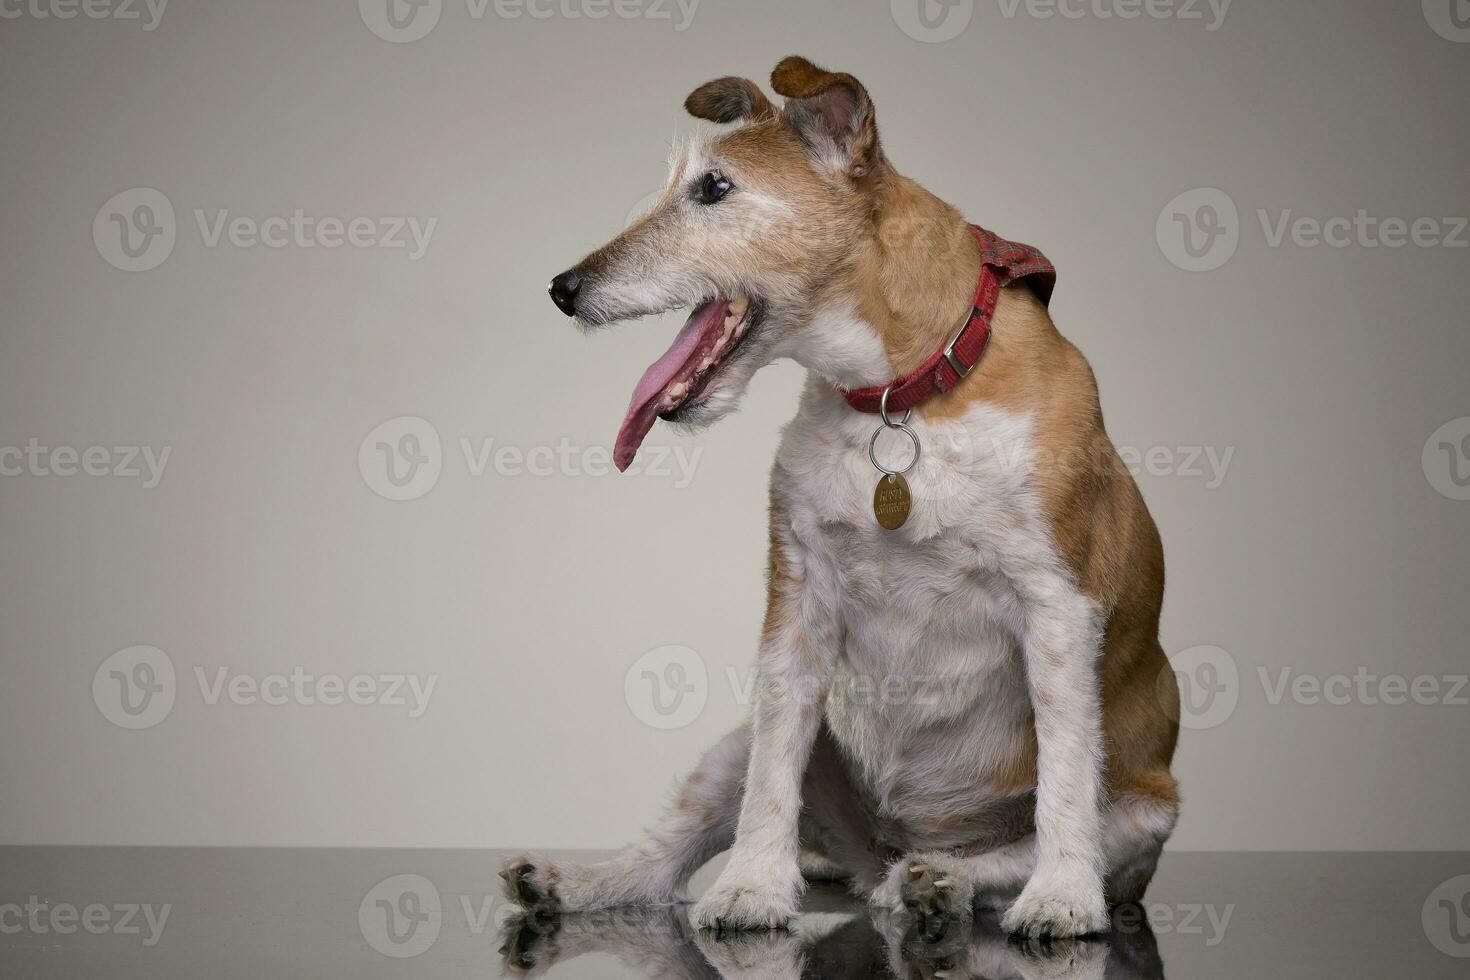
[(961, 695)]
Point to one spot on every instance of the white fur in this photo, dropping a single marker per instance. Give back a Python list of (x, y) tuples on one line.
[(850, 353)]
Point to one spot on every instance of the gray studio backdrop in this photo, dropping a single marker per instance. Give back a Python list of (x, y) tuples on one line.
[(310, 533)]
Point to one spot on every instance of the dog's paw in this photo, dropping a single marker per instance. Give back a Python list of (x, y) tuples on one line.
[(1061, 959), (738, 904), (1059, 905), (934, 885), (931, 887), (531, 883), (530, 943)]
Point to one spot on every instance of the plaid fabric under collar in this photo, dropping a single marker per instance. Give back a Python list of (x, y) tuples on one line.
[(1016, 261)]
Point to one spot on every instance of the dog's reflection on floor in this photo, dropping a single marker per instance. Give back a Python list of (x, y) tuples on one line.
[(660, 943)]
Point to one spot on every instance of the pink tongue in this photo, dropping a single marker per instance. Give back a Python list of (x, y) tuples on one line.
[(679, 361)]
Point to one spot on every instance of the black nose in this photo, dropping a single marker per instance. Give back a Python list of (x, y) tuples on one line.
[(563, 290)]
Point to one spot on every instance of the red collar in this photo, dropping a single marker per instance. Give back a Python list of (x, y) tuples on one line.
[(1001, 263)]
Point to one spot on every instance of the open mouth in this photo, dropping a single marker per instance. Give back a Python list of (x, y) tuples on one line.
[(682, 376)]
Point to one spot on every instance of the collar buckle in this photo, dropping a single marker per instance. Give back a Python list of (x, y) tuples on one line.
[(960, 367)]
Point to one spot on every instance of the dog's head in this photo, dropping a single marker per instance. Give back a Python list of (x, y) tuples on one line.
[(754, 224)]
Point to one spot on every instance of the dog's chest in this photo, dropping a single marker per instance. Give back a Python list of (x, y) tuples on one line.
[(934, 601), (929, 689), (927, 634)]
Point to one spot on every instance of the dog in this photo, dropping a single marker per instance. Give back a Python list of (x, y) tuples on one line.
[(962, 699)]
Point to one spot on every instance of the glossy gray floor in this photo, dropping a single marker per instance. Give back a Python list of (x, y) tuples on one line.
[(164, 913)]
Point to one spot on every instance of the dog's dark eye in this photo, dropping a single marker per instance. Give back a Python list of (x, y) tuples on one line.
[(712, 187)]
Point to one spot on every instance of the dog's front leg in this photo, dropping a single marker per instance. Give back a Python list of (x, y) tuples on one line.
[(761, 883), (1061, 644)]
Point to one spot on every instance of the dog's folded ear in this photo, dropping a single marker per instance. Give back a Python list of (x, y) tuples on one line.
[(729, 99), (831, 112)]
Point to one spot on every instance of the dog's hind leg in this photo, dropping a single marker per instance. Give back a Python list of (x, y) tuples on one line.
[(654, 871)]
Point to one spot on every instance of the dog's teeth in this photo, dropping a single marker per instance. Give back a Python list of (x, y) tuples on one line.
[(678, 390), (738, 306)]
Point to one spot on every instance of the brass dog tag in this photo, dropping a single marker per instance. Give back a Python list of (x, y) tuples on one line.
[(891, 501)]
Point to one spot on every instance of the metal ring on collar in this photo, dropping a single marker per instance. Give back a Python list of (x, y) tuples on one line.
[(883, 413), (873, 445)]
